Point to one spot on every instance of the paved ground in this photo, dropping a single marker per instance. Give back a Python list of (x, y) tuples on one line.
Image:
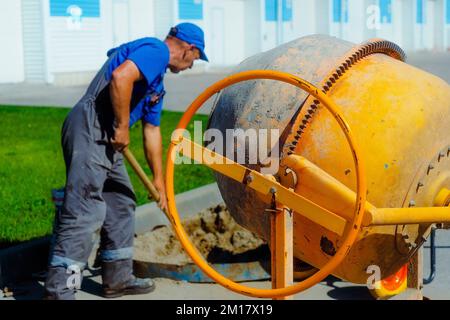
[(181, 91), (437, 63), (440, 287), (174, 290), (331, 289)]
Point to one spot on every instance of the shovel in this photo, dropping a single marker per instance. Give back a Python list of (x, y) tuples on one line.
[(153, 193)]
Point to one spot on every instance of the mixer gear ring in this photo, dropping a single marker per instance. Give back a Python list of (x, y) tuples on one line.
[(362, 51)]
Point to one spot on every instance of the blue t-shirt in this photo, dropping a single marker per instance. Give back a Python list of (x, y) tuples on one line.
[(151, 56)]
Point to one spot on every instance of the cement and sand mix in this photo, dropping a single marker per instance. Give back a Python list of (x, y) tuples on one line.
[(211, 230)]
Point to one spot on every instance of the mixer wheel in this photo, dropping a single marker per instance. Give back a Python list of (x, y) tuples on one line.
[(392, 285)]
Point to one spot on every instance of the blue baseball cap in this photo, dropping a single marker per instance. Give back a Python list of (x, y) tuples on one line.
[(192, 34)]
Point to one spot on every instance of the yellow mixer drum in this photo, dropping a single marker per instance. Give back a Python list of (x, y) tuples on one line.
[(399, 114)]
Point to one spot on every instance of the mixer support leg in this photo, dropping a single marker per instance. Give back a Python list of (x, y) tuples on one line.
[(281, 247)]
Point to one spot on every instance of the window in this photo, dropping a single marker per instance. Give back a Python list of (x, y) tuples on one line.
[(287, 10), (419, 12), (340, 11), (190, 9), (83, 8), (447, 12), (272, 10), (386, 11)]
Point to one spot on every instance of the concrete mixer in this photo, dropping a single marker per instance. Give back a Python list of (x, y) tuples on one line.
[(364, 161)]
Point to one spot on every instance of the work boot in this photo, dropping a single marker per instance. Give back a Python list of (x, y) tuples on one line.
[(118, 280), (57, 284)]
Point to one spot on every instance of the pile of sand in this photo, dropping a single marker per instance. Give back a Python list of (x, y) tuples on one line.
[(211, 229)]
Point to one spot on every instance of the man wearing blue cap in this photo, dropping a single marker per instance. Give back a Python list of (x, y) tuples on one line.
[(98, 192)]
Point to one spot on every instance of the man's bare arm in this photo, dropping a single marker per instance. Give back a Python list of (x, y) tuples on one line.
[(121, 89), (153, 154)]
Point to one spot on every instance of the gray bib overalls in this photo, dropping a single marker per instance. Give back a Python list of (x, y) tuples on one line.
[(98, 195)]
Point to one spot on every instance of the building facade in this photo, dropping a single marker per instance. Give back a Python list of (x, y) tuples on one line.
[(64, 41)]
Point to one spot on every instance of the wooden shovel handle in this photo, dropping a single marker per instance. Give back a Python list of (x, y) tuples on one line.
[(141, 174)]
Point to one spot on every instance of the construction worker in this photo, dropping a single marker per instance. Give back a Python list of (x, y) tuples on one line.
[(98, 192)]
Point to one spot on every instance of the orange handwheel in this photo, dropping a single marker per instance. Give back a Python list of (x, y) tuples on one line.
[(352, 229)]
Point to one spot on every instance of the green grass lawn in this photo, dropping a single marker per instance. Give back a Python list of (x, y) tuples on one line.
[(32, 164)]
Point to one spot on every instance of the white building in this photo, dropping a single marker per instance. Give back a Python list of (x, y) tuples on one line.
[(65, 41)]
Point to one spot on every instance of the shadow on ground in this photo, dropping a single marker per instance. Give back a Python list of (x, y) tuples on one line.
[(34, 289), (347, 292), (333, 287)]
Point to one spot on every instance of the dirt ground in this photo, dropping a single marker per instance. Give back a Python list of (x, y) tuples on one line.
[(213, 231)]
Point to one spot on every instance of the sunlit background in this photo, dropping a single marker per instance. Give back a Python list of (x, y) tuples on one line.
[(64, 41)]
